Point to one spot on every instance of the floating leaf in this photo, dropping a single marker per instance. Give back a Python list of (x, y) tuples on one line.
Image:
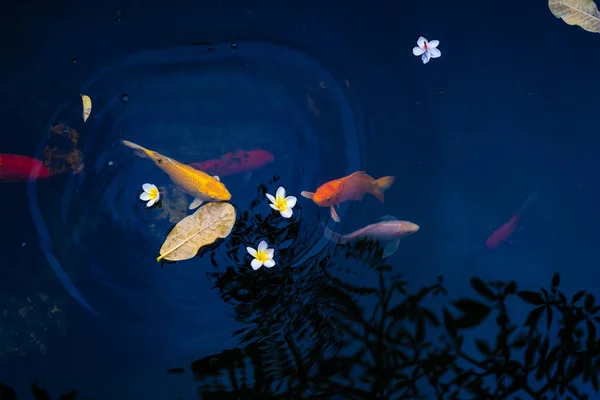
[(583, 13), (87, 106), (211, 222)]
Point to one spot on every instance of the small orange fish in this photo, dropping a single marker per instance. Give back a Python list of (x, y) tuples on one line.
[(351, 187)]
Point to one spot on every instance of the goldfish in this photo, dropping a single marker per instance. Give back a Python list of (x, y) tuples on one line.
[(15, 168), (389, 230), (236, 162), (351, 187), (501, 234), (201, 186)]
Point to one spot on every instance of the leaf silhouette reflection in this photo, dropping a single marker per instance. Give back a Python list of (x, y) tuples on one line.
[(312, 334)]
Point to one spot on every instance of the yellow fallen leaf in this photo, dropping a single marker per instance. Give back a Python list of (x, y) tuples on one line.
[(87, 106), (212, 221), (583, 13)]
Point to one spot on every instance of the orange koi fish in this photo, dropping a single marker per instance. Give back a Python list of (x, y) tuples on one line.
[(351, 187), (501, 234), (15, 168), (389, 231), (235, 163)]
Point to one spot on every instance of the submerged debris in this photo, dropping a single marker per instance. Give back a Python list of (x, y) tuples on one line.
[(62, 153), (26, 322)]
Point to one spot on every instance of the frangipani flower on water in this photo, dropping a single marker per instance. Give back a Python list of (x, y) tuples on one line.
[(150, 194), (262, 256), (281, 203), (427, 49)]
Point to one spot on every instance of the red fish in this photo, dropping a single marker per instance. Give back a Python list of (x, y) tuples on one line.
[(15, 168), (501, 234), (235, 163), (351, 187)]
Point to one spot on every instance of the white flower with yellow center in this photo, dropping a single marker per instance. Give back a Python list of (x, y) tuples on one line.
[(150, 194), (262, 256), (281, 203)]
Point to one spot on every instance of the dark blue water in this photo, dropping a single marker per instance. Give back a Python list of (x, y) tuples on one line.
[(507, 111)]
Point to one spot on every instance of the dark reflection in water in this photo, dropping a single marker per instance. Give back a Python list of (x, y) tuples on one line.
[(317, 332)]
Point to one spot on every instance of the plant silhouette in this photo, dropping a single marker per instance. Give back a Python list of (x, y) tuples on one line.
[(311, 334)]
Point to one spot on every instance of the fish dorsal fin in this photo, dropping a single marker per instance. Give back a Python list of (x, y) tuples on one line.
[(217, 178), (357, 173), (178, 165), (389, 218)]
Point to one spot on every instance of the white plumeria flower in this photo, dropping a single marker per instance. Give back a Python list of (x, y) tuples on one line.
[(281, 203), (427, 49), (150, 194), (262, 256)]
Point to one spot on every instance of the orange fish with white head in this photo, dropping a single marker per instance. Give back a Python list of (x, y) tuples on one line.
[(351, 187)]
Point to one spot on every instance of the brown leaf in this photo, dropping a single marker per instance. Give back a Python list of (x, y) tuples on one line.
[(583, 13), (212, 221)]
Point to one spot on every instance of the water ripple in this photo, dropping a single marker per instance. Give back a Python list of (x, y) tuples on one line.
[(191, 105)]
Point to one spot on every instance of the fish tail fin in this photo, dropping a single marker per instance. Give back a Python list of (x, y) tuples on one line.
[(533, 196), (381, 185), (139, 150), (331, 235)]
